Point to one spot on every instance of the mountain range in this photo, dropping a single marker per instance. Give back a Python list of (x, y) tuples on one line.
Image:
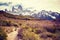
[(47, 15), (42, 15)]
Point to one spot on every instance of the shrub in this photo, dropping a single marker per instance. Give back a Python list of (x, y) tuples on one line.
[(5, 23), (30, 35), (3, 35), (27, 34)]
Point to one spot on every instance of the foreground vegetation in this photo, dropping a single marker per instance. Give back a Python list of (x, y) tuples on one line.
[(39, 33), (32, 30), (3, 35)]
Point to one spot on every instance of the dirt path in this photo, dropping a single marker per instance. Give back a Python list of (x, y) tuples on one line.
[(12, 35)]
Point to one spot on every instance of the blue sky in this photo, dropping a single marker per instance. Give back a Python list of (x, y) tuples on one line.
[(53, 5)]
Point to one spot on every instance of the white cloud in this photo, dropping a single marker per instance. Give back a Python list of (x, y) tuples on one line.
[(53, 5)]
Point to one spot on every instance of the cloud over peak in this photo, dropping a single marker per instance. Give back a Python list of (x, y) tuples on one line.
[(5, 4)]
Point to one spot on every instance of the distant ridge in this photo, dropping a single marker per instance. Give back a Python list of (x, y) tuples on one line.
[(4, 15), (43, 15), (47, 15)]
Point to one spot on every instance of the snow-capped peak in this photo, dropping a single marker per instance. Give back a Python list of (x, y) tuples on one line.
[(47, 15)]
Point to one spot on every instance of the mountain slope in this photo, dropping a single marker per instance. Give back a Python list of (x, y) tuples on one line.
[(48, 15), (5, 15)]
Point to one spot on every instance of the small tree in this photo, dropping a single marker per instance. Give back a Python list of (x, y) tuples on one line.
[(3, 35)]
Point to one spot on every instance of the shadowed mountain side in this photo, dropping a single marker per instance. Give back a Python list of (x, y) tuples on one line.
[(5, 15)]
